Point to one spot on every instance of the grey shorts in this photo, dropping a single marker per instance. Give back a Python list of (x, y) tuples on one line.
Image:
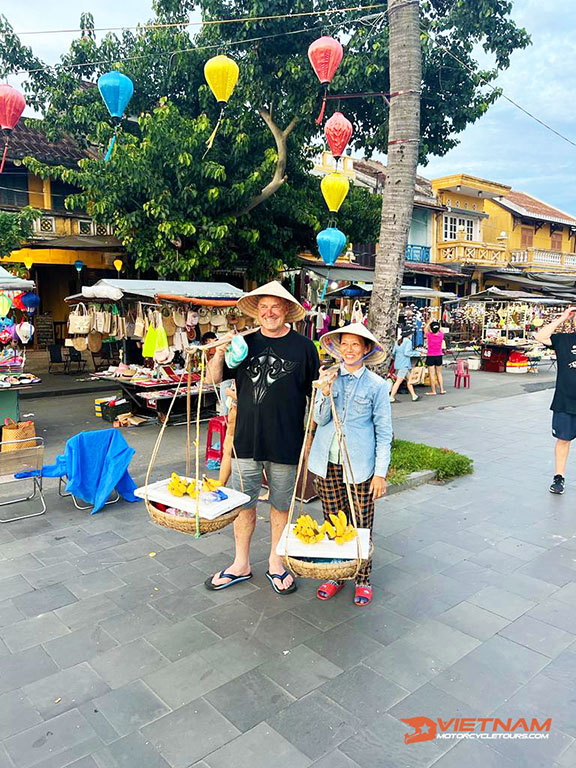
[(281, 479), (402, 373)]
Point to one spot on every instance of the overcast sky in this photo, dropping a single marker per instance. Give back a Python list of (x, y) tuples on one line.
[(504, 145)]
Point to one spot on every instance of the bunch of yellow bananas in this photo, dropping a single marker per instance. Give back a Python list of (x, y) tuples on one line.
[(308, 530), (338, 528), (178, 486)]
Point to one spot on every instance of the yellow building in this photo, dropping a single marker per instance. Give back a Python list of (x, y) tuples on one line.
[(498, 235), (60, 238)]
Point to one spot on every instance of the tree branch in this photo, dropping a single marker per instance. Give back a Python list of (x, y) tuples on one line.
[(280, 137)]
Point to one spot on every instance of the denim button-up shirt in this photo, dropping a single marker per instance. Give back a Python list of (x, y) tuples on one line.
[(363, 405)]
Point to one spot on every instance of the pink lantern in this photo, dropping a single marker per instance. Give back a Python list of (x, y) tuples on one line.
[(338, 130), (325, 54), (12, 105)]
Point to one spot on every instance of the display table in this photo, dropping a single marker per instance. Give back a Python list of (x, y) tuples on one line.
[(495, 356), (153, 398)]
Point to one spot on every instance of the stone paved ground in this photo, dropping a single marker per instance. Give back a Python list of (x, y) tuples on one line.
[(112, 658)]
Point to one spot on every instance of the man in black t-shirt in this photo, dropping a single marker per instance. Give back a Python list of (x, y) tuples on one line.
[(272, 384), (564, 401)]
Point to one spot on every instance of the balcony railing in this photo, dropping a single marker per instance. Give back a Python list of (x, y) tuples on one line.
[(539, 257), (418, 253), (468, 252)]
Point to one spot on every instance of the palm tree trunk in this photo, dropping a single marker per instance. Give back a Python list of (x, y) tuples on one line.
[(403, 142)]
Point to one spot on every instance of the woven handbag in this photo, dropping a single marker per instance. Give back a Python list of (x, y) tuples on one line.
[(18, 430), (79, 320)]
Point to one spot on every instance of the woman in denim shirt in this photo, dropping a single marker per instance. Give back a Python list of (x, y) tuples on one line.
[(362, 402)]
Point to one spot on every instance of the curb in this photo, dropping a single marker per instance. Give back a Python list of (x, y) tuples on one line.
[(30, 394), (413, 481)]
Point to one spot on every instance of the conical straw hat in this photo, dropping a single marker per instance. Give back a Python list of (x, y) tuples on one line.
[(331, 342), (248, 304)]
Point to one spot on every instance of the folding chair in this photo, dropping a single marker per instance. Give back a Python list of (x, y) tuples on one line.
[(19, 459)]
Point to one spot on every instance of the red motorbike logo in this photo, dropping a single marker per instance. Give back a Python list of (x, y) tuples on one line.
[(424, 729)]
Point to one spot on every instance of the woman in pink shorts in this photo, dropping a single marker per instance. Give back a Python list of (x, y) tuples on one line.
[(435, 345)]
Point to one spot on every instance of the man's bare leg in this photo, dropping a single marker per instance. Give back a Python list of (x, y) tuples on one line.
[(278, 520), (561, 451), (243, 529)]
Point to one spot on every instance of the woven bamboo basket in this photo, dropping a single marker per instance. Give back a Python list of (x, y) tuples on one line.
[(188, 524), (347, 570)]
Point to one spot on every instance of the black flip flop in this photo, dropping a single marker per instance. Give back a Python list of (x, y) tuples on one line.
[(271, 576), (234, 580)]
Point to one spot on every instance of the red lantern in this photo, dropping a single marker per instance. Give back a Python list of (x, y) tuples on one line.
[(325, 55), (12, 105), (17, 302), (338, 130)]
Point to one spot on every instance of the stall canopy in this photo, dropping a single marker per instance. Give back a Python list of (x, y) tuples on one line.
[(177, 290), (9, 282), (498, 294)]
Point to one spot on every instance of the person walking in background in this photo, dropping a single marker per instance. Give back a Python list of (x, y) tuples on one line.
[(435, 346), (403, 353), (564, 400)]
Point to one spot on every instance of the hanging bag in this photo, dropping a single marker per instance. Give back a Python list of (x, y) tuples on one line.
[(139, 325), (79, 320), (168, 321)]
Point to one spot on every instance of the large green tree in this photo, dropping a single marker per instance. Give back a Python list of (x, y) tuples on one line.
[(252, 198)]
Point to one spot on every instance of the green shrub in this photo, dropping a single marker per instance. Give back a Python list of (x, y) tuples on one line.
[(410, 457)]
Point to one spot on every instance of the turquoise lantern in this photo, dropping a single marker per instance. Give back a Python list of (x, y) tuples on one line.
[(116, 90), (331, 243)]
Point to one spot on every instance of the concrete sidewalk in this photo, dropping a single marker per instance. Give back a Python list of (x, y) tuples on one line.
[(113, 654)]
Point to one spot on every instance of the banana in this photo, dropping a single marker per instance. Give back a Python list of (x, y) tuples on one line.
[(338, 528), (307, 530)]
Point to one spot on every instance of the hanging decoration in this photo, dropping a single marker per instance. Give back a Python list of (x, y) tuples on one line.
[(118, 264), (221, 73), (338, 130), (5, 304), (335, 187), (116, 90), (325, 54), (331, 243), (31, 301), (17, 302), (12, 105)]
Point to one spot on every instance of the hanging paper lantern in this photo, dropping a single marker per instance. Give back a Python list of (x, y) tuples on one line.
[(325, 54), (116, 90), (221, 73), (118, 264), (5, 304), (17, 302), (334, 188), (12, 105), (331, 243), (338, 130), (31, 301)]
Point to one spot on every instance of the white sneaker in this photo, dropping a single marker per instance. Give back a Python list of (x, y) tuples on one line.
[(392, 399), (415, 398)]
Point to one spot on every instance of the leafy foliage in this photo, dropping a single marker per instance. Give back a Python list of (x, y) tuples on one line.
[(180, 214), (15, 229)]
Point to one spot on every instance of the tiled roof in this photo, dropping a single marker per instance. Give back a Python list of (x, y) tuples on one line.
[(529, 206), (438, 270), (423, 191), (31, 142)]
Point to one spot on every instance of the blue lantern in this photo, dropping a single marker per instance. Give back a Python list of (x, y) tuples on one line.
[(31, 301), (331, 243), (116, 90), (79, 265)]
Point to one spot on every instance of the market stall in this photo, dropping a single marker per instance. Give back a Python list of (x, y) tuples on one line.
[(156, 323), (18, 302), (502, 325)]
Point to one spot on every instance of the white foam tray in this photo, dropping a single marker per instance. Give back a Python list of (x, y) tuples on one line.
[(325, 548), (158, 492)]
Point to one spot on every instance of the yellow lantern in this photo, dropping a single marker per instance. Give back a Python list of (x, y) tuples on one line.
[(5, 304), (28, 262), (221, 74), (334, 188), (118, 264)]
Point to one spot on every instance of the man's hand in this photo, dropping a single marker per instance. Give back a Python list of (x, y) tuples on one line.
[(567, 314), (326, 379), (378, 487), (224, 343)]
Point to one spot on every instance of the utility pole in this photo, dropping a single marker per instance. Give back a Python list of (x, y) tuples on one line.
[(405, 66)]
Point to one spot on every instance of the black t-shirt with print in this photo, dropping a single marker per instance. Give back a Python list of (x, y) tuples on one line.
[(565, 395), (272, 385)]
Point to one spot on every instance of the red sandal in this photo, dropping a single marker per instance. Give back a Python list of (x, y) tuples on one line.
[(328, 589), (363, 595)]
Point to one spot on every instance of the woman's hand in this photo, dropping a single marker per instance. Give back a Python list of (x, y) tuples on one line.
[(326, 379), (378, 487)]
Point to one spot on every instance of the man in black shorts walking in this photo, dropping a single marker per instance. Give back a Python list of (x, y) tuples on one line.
[(564, 401)]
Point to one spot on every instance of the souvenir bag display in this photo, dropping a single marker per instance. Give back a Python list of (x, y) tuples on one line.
[(180, 319), (79, 320), (218, 319), (139, 324), (168, 321)]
